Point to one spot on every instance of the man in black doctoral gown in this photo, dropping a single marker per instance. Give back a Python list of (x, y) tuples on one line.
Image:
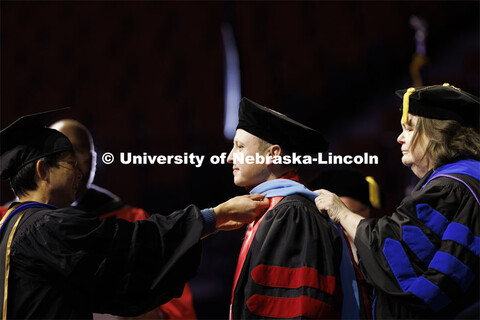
[(58, 261), (294, 262), (104, 204)]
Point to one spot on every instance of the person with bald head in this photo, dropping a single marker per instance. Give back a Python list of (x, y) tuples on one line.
[(83, 147), (103, 203), (59, 262)]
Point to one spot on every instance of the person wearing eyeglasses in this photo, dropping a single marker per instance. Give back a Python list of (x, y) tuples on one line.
[(59, 262)]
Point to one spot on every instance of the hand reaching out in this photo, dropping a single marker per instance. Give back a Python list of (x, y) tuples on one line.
[(240, 210)]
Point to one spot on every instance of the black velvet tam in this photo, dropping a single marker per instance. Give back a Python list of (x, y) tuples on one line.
[(27, 140), (277, 128), (444, 102)]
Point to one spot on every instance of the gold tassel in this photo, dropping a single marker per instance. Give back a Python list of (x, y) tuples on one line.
[(373, 192), (406, 99)]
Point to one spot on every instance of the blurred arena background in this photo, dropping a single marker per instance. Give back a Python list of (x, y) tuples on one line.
[(148, 76)]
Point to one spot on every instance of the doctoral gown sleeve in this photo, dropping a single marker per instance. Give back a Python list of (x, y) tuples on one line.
[(426, 255), (293, 266), (126, 268)]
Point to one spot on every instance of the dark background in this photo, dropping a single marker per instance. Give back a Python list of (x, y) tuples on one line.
[(148, 77)]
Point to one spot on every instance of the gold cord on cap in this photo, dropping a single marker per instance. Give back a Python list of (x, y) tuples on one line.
[(373, 192), (406, 99), (448, 85)]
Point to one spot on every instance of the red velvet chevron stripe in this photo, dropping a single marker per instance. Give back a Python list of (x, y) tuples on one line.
[(303, 306), (282, 277)]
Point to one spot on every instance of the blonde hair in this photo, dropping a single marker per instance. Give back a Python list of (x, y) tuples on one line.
[(448, 140)]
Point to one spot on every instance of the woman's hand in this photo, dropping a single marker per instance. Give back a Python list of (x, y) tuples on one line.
[(329, 203)]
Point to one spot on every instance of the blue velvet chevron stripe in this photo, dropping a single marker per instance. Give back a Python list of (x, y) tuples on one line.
[(419, 243), (433, 219), (399, 263), (454, 268), (421, 287), (461, 234), (443, 262), (432, 295)]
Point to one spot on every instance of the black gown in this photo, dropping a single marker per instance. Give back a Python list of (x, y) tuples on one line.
[(99, 201), (292, 267), (67, 264), (424, 260)]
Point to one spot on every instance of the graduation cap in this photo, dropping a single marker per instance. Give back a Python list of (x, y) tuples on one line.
[(444, 102), (345, 182), (277, 128), (27, 140)]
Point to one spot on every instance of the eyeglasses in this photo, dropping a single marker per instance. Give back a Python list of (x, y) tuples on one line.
[(73, 164)]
